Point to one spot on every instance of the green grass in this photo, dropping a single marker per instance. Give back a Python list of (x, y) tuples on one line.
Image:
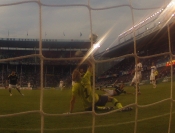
[(152, 119)]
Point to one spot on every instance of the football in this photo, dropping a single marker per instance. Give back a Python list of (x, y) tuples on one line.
[(93, 37), (78, 53)]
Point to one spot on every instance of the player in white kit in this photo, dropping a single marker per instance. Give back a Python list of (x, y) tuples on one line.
[(137, 76), (61, 84), (153, 75)]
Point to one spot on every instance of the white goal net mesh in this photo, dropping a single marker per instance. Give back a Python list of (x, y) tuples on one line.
[(117, 24)]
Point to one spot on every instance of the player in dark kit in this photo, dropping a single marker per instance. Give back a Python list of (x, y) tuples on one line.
[(12, 80), (119, 89)]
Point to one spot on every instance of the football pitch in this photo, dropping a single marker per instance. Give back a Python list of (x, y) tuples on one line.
[(151, 119)]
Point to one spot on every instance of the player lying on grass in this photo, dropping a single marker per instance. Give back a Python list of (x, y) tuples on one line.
[(12, 80), (119, 89), (82, 88)]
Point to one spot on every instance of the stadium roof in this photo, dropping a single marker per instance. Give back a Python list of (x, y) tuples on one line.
[(149, 42), (151, 37)]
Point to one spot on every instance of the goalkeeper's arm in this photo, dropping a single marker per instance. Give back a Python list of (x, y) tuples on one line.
[(89, 62)]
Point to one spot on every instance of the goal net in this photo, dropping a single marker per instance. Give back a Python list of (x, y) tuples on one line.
[(127, 32)]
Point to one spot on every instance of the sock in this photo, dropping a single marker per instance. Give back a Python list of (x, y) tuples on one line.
[(18, 90), (116, 103), (119, 105), (154, 82), (10, 90), (138, 88), (101, 107)]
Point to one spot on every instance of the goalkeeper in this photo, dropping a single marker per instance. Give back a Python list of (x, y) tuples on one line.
[(82, 88)]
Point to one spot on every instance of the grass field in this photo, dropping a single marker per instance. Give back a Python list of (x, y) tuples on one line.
[(151, 119)]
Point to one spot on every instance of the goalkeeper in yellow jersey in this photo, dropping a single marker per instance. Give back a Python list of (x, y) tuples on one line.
[(82, 88)]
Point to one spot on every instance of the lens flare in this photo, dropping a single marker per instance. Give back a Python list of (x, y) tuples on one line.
[(95, 47)]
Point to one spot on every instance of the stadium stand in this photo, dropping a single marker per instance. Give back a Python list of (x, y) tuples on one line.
[(154, 43), (28, 69)]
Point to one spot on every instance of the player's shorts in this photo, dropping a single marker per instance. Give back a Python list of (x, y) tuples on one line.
[(109, 92), (13, 86), (61, 85), (152, 76), (137, 79), (73, 82), (102, 100)]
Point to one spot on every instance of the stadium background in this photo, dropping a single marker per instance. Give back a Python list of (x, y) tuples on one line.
[(28, 69), (149, 42)]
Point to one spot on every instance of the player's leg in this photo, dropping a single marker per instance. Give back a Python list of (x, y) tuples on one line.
[(153, 80), (138, 88), (109, 92), (115, 102), (139, 85), (138, 80), (18, 89), (135, 83), (118, 105), (61, 87), (10, 89), (154, 83), (150, 79), (100, 104)]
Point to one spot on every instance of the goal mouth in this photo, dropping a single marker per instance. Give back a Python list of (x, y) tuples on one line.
[(44, 41)]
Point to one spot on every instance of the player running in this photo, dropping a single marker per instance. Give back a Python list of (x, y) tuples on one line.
[(12, 80)]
